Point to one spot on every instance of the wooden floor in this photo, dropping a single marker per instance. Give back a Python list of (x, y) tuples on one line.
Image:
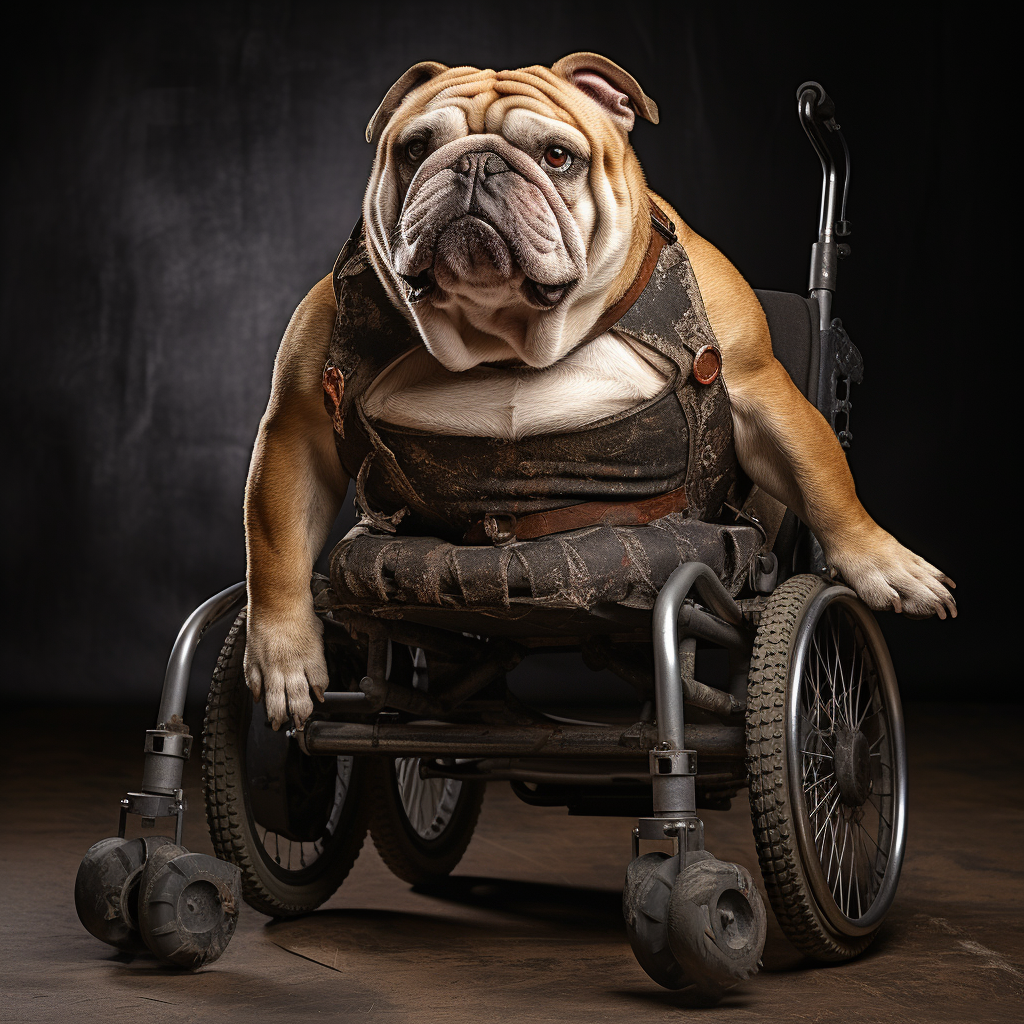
[(530, 927)]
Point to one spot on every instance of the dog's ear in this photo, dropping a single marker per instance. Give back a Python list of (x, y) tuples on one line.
[(604, 81), (416, 75)]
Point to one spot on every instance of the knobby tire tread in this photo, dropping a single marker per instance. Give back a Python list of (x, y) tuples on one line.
[(778, 850), (396, 848), (223, 786)]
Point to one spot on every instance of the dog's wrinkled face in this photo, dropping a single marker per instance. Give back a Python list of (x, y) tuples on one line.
[(503, 206)]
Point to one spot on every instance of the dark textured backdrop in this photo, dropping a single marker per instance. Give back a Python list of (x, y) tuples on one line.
[(178, 175)]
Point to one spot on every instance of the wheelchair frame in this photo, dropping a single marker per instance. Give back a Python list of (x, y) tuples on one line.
[(529, 747)]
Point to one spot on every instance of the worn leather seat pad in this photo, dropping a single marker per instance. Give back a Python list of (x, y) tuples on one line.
[(578, 570)]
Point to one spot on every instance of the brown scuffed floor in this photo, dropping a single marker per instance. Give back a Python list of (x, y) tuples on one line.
[(530, 927)]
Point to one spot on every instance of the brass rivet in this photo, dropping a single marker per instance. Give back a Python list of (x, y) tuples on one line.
[(707, 364)]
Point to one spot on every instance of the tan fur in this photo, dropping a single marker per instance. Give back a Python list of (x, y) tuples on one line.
[(296, 486), (293, 495)]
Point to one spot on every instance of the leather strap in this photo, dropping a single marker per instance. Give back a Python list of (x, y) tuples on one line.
[(766, 512), (503, 527), (662, 231)]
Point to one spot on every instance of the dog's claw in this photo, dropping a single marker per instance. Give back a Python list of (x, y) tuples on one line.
[(885, 575), (285, 659)]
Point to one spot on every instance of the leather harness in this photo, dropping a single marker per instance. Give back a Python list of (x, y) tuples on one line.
[(502, 527)]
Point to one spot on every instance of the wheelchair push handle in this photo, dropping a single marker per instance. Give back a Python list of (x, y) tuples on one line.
[(816, 111), (822, 109)]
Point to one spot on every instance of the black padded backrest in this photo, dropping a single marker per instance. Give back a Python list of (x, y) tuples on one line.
[(793, 323)]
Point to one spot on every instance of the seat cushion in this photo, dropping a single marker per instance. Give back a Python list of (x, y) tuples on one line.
[(577, 571)]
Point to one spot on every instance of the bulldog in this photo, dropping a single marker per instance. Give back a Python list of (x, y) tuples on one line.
[(505, 214)]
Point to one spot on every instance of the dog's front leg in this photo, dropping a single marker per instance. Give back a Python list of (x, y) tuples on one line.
[(292, 497), (786, 447)]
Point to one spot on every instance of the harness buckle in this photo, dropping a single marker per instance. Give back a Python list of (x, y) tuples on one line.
[(500, 527)]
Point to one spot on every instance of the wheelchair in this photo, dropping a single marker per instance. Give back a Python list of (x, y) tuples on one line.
[(804, 713)]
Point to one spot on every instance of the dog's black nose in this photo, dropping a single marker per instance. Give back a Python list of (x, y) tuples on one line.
[(483, 164)]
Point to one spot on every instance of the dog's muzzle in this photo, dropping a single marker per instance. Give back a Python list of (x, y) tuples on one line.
[(486, 207)]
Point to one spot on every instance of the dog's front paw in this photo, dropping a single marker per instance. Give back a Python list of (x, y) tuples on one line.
[(284, 661), (886, 575)]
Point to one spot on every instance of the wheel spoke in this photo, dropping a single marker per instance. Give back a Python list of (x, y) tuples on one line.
[(819, 663), (856, 877), (831, 852), (853, 869), (871, 839), (827, 819), (880, 814), (839, 677), (827, 796), (819, 782), (844, 901)]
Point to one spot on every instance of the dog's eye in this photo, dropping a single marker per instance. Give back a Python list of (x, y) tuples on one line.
[(557, 157), (415, 151)]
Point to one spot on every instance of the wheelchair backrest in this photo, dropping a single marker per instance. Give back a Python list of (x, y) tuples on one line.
[(793, 323)]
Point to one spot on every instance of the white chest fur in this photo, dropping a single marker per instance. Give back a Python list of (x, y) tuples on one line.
[(608, 375)]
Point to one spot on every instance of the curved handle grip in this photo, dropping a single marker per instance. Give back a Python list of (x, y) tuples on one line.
[(822, 109)]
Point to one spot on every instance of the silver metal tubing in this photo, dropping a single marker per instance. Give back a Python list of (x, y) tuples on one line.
[(568, 773), (668, 689), (805, 110), (546, 740), (700, 624), (179, 665), (582, 773), (697, 693)]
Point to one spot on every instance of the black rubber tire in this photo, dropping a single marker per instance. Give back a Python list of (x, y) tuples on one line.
[(409, 855), (645, 907), (266, 886), (107, 889), (715, 951), (188, 906), (776, 833)]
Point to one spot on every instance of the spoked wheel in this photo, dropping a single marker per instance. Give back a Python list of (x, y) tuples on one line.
[(293, 824), (420, 827), (828, 776)]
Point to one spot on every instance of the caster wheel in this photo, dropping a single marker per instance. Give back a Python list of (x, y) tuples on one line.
[(645, 906), (716, 925), (107, 889), (188, 906)]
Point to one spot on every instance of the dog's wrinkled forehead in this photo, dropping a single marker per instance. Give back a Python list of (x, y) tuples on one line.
[(583, 90), (517, 105), (486, 98)]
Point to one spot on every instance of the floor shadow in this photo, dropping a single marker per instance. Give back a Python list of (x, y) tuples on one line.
[(567, 906), (688, 999), (520, 909)]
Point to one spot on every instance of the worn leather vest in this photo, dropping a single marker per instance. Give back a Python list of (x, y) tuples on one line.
[(418, 482)]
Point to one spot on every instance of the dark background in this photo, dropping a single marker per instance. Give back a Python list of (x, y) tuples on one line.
[(178, 175)]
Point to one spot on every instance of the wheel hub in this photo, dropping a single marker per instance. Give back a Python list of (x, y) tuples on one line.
[(853, 767)]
